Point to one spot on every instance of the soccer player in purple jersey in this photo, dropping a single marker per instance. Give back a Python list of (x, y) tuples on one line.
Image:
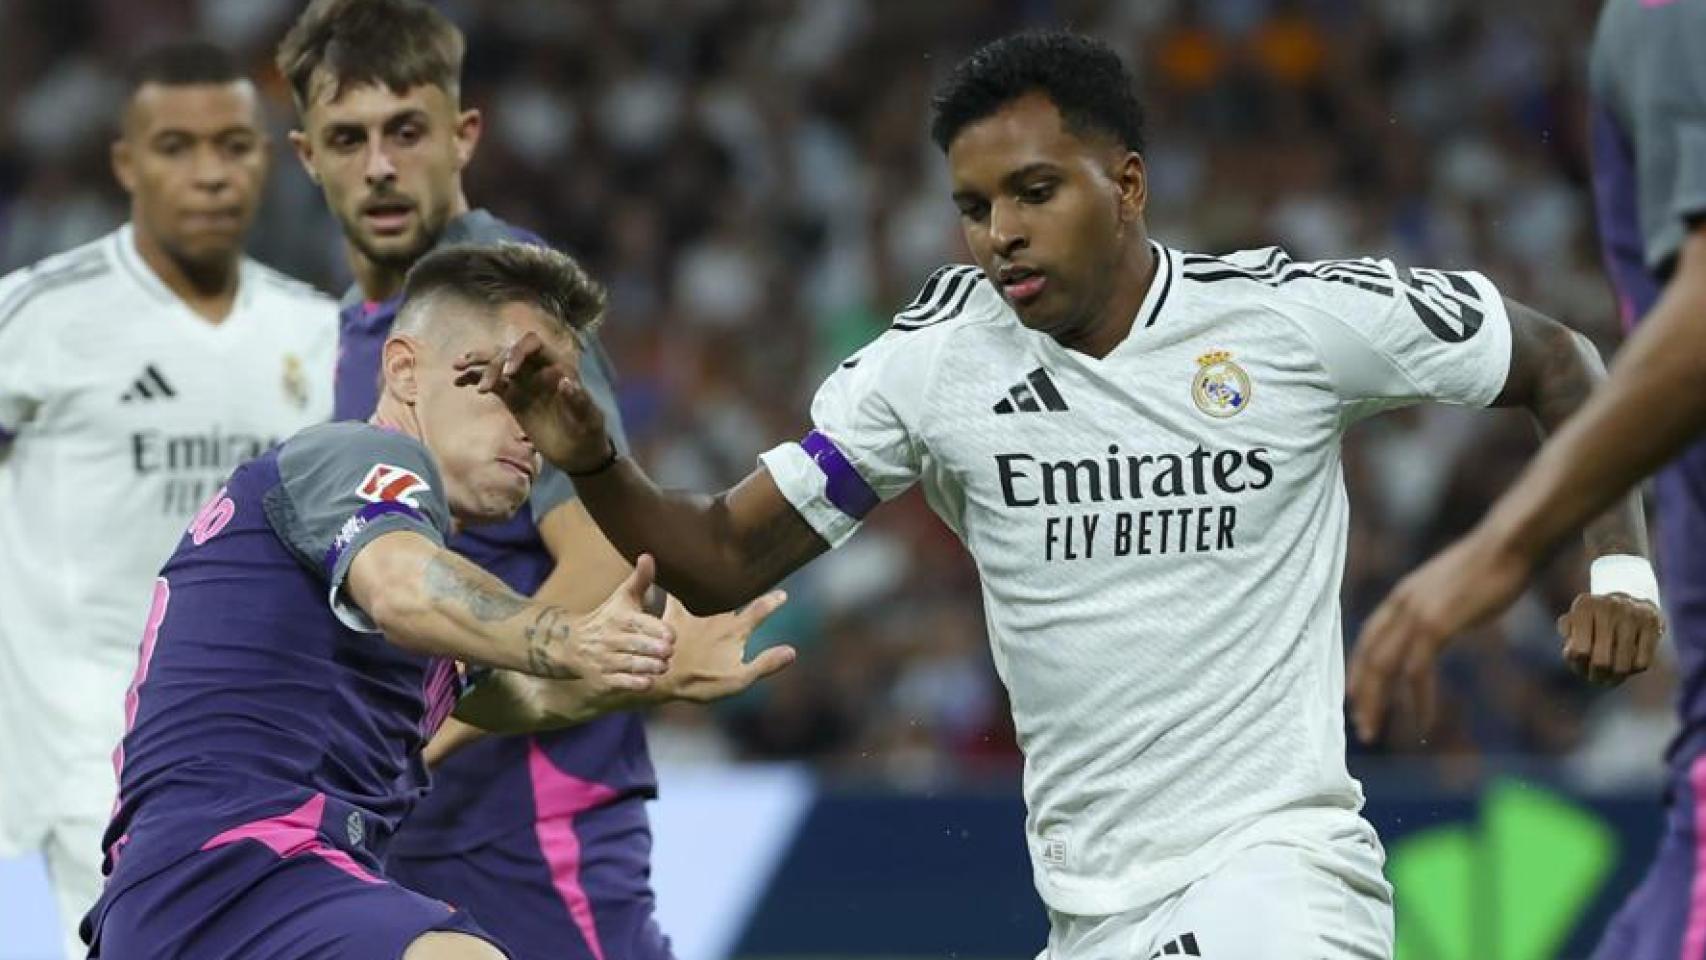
[(544, 838), (1648, 81), (303, 646)]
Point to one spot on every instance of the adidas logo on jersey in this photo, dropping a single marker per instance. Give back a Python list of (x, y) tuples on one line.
[(1034, 394), (149, 385), (1184, 946)]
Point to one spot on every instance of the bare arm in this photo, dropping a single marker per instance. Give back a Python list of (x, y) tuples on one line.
[(1554, 371), (508, 702), (708, 661), (713, 552), (587, 570), (1650, 407), (1607, 636), (710, 664), (587, 567), (451, 737), (429, 600)]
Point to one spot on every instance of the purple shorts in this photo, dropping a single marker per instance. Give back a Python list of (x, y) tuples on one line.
[(570, 882), (1665, 918), (276, 890)]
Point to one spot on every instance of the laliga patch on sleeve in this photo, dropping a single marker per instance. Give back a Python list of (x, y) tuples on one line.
[(385, 483)]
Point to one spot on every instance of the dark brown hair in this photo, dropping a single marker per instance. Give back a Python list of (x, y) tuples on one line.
[(397, 43), (495, 275)]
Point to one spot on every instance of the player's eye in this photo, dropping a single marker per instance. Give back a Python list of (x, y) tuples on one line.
[(410, 133), (976, 211), (171, 146), (1041, 192), (344, 138), (238, 147)]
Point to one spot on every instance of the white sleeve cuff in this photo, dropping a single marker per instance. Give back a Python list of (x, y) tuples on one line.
[(803, 483)]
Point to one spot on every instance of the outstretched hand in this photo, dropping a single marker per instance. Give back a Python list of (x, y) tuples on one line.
[(616, 649), (710, 652), (540, 383), (1466, 585), (1607, 637)]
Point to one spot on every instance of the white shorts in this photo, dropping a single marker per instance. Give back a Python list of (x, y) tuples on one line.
[(1272, 901), (63, 816), (73, 853)]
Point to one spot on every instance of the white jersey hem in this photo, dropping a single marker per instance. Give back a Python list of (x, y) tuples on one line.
[(1149, 883)]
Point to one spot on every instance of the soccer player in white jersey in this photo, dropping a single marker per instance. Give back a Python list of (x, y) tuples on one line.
[(1140, 448), (135, 372)]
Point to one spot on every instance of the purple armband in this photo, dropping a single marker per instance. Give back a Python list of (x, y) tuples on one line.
[(845, 488)]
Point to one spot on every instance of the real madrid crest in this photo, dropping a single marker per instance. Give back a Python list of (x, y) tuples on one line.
[(295, 380), (1221, 388)]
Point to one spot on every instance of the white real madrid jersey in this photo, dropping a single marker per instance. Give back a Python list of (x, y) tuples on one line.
[(121, 411), (1160, 533)]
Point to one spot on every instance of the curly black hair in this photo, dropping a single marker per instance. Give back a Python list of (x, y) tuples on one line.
[(1084, 77)]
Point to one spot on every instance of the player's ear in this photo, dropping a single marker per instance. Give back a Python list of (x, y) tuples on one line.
[(123, 151), (264, 155), (304, 149), (1133, 179), (124, 163), (469, 125), (401, 366)]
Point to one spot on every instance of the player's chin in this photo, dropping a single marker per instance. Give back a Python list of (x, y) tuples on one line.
[(209, 248), (490, 500), (402, 249), (492, 509), (1040, 315), (508, 494)]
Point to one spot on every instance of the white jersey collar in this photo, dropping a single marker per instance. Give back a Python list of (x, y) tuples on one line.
[(131, 262), (1148, 313)]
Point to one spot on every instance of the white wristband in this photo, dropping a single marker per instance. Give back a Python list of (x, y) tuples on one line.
[(1624, 573)]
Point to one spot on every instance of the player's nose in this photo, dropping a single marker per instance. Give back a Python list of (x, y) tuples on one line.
[(519, 436), (379, 165), (210, 171), (1007, 232)]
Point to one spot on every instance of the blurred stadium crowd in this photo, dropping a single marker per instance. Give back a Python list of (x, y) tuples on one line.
[(753, 181)]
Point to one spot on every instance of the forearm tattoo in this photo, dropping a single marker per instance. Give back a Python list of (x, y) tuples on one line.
[(552, 627), (487, 599)]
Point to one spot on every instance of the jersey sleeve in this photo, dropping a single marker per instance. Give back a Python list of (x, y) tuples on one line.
[(1390, 336), (1648, 81), (554, 488), (24, 361), (1688, 203), (341, 487), (1667, 102), (864, 447)]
